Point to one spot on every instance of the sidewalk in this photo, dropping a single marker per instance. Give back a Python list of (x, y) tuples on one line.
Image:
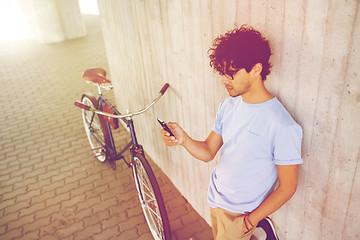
[(51, 187)]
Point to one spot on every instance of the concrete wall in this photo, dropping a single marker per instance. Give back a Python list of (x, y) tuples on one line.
[(54, 20), (316, 76)]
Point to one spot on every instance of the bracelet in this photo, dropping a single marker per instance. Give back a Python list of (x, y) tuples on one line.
[(247, 214)]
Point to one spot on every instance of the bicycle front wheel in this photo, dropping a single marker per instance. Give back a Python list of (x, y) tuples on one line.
[(151, 199), (94, 128)]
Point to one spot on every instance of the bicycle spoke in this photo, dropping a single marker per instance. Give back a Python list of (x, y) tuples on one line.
[(159, 229), (94, 130), (145, 184), (151, 199), (155, 213), (149, 202)]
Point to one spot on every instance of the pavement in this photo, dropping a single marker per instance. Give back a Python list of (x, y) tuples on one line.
[(51, 186)]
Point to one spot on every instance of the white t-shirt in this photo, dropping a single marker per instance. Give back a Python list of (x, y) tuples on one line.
[(256, 138)]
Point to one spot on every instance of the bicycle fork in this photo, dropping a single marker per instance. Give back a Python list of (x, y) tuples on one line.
[(136, 150)]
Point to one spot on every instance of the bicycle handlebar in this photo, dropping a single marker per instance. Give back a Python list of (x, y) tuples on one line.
[(88, 108), (83, 106), (164, 88)]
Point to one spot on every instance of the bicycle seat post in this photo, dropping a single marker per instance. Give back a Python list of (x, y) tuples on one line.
[(99, 89), (127, 112)]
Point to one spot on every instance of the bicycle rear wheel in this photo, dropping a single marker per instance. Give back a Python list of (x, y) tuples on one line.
[(96, 133), (151, 199)]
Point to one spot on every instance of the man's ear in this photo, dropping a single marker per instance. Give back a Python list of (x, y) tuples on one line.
[(257, 69)]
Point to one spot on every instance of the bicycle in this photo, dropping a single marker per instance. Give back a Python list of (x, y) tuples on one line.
[(99, 116)]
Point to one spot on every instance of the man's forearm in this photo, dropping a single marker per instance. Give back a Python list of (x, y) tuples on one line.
[(203, 150), (198, 149), (287, 175), (272, 203)]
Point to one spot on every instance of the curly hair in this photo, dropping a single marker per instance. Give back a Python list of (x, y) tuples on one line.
[(240, 48)]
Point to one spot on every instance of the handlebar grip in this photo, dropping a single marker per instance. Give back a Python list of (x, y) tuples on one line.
[(164, 88), (81, 105)]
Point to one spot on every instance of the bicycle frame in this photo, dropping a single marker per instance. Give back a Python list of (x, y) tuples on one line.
[(133, 144)]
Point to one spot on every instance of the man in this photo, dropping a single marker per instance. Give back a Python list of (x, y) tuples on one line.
[(260, 141)]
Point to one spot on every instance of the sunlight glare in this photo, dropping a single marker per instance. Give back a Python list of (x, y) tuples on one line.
[(13, 24), (89, 7)]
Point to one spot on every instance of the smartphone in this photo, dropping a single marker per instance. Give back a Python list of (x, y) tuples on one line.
[(165, 127)]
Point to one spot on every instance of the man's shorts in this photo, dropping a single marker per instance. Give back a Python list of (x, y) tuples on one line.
[(227, 225)]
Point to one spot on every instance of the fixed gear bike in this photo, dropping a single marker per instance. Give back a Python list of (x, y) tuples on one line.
[(100, 117)]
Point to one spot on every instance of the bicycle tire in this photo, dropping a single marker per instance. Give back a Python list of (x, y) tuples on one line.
[(153, 204), (99, 141)]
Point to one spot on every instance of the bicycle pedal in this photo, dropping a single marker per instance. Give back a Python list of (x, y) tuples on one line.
[(97, 148), (99, 155)]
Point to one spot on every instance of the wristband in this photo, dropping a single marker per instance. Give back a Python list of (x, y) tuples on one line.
[(247, 214)]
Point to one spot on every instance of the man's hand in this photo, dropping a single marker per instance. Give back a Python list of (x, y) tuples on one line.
[(202, 150), (247, 227), (177, 139)]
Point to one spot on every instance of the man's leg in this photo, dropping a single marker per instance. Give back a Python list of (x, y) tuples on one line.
[(227, 225), (213, 222)]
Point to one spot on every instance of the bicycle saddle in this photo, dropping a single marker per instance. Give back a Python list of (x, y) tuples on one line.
[(95, 75)]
